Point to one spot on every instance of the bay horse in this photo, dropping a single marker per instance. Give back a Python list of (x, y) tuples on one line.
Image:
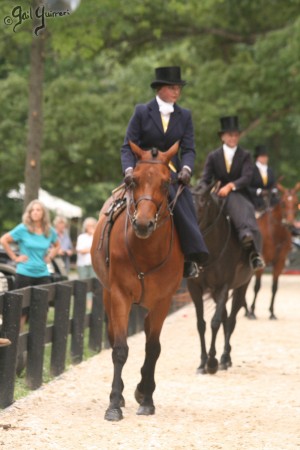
[(275, 225), (138, 260), (228, 268)]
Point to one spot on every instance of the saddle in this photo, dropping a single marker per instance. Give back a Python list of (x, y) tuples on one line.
[(113, 212)]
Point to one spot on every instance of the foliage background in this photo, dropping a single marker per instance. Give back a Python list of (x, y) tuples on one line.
[(239, 57)]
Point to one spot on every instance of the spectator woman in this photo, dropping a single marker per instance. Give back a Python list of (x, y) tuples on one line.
[(38, 245), (66, 248), (83, 248)]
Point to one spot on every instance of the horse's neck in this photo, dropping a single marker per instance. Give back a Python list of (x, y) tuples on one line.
[(213, 220)]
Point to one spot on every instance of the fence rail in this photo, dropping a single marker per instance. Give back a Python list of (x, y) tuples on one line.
[(71, 318)]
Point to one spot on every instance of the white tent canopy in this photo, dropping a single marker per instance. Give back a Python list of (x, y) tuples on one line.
[(55, 204)]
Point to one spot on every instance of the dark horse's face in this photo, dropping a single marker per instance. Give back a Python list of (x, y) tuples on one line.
[(151, 179)]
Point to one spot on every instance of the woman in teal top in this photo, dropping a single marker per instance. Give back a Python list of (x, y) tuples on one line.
[(37, 242)]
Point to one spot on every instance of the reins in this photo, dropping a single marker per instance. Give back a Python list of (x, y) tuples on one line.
[(141, 275)]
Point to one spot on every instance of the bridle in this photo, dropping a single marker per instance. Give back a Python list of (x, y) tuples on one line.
[(161, 214)]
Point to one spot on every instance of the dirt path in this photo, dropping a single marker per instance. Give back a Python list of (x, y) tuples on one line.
[(253, 405)]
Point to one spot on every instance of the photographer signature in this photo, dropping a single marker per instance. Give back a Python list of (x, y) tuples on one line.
[(18, 16)]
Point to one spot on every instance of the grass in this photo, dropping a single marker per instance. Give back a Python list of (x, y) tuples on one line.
[(21, 389)]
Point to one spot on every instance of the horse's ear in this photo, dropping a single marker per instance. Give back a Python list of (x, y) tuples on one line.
[(280, 187), (136, 149), (172, 151), (297, 186)]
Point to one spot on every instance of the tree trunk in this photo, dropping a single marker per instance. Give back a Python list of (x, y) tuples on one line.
[(35, 113)]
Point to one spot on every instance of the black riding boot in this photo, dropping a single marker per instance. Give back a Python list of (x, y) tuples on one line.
[(255, 259)]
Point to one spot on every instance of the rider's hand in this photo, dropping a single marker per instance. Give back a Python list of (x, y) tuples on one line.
[(128, 179), (184, 176), (225, 190)]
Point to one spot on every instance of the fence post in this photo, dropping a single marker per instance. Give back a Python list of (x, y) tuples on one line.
[(60, 329), (12, 308), (97, 317), (36, 337), (80, 290)]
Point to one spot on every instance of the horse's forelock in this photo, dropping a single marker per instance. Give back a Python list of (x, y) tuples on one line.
[(154, 152)]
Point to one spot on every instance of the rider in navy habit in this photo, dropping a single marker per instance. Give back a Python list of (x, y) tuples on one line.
[(263, 180), (233, 167), (159, 124)]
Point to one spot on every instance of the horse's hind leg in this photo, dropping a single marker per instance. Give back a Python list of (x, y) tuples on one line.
[(144, 390), (238, 301), (197, 297), (257, 286), (117, 331)]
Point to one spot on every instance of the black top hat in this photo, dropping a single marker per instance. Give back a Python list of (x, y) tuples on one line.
[(260, 150), (229, 123), (167, 76)]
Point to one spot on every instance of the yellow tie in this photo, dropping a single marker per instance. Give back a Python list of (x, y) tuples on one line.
[(227, 163), (264, 178), (165, 122)]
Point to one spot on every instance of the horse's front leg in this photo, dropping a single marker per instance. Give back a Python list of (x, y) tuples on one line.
[(118, 312), (238, 302), (144, 391), (220, 298)]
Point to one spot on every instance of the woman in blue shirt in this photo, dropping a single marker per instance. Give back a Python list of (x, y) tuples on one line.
[(37, 242)]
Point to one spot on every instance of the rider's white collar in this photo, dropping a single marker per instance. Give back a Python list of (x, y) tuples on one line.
[(164, 108)]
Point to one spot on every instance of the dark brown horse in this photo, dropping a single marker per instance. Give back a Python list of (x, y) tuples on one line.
[(142, 263), (228, 269), (274, 224)]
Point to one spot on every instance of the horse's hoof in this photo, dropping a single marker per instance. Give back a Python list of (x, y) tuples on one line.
[(212, 366), (273, 317), (225, 363), (201, 371), (138, 396), (252, 316), (146, 410), (113, 414), (223, 366)]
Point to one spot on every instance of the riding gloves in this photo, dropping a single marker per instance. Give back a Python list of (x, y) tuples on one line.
[(184, 176), (128, 179)]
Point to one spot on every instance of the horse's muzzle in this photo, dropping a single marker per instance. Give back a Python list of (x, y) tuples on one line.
[(143, 230)]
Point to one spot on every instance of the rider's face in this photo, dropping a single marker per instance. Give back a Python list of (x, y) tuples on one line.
[(169, 94), (231, 138)]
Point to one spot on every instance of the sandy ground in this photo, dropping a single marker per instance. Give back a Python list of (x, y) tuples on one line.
[(253, 405)]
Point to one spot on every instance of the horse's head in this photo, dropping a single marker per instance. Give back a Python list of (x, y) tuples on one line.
[(151, 180), (289, 202), (206, 205)]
